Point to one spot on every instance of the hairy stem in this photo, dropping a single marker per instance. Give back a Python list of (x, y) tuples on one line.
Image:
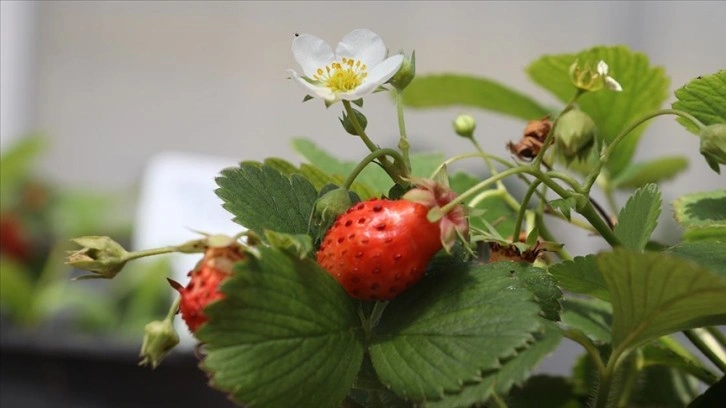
[(403, 144), (605, 155)]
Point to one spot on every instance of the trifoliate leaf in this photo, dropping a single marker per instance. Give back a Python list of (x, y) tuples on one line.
[(285, 335), (654, 294), (638, 218), (448, 329), (704, 98), (654, 171), (434, 91), (645, 88), (581, 275)]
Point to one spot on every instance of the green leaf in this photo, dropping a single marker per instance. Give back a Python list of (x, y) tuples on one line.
[(433, 91), (543, 391), (659, 354), (452, 326), (544, 287), (638, 218), (261, 198), (564, 205), (591, 316), (661, 169), (704, 98), (645, 88), (710, 254), (285, 335), (703, 215), (298, 245), (513, 371), (654, 294), (581, 275), (373, 177)]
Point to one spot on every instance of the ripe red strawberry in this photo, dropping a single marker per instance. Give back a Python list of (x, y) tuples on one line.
[(379, 248), (203, 286)]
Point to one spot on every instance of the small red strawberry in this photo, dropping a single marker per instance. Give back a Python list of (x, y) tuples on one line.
[(204, 281), (379, 248)]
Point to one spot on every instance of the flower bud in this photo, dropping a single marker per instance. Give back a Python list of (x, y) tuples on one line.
[(159, 339), (348, 124), (100, 255), (464, 126), (592, 78), (330, 205), (713, 145), (575, 135), (406, 73)]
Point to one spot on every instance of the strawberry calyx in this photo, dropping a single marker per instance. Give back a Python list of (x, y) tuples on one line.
[(435, 195)]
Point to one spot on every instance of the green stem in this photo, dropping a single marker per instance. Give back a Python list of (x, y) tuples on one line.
[(523, 209), (580, 338), (498, 401), (151, 252), (698, 339), (487, 161), (590, 180), (371, 321), (551, 134), (397, 160), (173, 309), (357, 126), (403, 144), (545, 233)]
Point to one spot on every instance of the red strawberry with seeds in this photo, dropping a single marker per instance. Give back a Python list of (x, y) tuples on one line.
[(204, 281), (379, 248)]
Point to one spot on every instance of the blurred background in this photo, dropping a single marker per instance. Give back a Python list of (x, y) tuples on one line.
[(111, 109)]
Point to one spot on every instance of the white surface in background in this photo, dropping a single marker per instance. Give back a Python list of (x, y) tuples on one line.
[(17, 37), (176, 199)]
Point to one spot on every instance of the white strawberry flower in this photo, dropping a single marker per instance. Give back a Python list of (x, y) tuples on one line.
[(355, 69)]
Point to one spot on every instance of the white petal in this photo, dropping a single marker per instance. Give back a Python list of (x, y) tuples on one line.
[(311, 53), (364, 45), (612, 84), (318, 91), (602, 68), (378, 76)]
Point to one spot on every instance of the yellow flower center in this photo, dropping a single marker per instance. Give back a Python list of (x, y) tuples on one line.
[(342, 76)]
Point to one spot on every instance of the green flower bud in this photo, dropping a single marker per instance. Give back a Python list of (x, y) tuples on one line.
[(406, 73), (464, 126), (575, 136), (713, 145), (100, 255), (348, 124), (159, 339), (330, 205)]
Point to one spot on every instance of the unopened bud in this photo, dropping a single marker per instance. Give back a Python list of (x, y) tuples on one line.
[(330, 205), (464, 126), (101, 255), (348, 124), (713, 145), (406, 73), (159, 339), (575, 135)]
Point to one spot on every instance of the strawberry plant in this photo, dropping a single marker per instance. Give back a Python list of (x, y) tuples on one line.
[(396, 281)]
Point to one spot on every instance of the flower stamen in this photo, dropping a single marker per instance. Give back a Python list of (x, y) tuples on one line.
[(342, 76)]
